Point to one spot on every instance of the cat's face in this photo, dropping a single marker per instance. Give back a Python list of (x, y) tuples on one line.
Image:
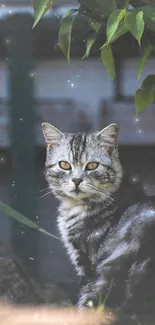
[(82, 166)]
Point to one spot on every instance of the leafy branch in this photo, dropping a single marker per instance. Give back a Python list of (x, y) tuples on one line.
[(118, 17)]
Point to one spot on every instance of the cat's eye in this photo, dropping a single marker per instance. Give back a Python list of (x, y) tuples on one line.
[(92, 165), (65, 165)]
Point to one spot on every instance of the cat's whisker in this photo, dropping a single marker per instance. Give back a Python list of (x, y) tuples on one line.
[(44, 189), (45, 195), (114, 198), (99, 191), (102, 196), (110, 197)]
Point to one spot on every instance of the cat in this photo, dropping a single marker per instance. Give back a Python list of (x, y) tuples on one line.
[(112, 248)]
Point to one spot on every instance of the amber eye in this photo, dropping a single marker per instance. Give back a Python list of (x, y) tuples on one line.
[(65, 165), (92, 165)]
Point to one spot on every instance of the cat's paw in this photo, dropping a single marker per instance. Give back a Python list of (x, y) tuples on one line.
[(89, 297)]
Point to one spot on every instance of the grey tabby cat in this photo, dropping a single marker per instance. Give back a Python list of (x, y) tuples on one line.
[(109, 247)]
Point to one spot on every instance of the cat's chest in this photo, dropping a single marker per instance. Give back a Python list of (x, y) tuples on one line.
[(72, 230), (71, 218), (71, 223)]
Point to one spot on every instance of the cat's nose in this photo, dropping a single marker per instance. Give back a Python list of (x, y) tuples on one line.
[(77, 181)]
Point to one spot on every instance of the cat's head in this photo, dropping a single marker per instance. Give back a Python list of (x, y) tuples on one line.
[(82, 166)]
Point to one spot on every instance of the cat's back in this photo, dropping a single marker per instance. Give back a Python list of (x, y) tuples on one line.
[(133, 238), (139, 214), (137, 224)]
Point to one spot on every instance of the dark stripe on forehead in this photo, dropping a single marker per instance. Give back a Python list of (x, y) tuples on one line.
[(83, 146), (71, 144), (78, 143)]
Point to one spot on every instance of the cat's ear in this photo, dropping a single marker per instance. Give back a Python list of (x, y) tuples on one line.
[(52, 135), (108, 137)]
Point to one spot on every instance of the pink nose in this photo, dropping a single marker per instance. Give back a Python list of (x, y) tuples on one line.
[(77, 181)]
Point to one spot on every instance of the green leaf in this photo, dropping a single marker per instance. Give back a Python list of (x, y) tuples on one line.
[(108, 60), (135, 24), (143, 99), (149, 15), (91, 40), (65, 31), (90, 43), (145, 95), (140, 25), (113, 22), (147, 52), (68, 13), (19, 217), (40, 8), (121, 30), (122, 14)]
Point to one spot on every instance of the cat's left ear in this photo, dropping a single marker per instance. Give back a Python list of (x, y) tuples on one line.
[(108, 137), (51, 133)]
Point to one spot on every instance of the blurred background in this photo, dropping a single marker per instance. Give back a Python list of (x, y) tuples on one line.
[(37, 84)]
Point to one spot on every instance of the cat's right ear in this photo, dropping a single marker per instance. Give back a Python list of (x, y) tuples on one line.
[(52, 135)]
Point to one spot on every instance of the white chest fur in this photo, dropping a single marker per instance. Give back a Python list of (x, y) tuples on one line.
[(70, 216)]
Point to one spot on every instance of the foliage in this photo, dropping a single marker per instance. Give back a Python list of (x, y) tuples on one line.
[(120, 17), (40, 9), (145, 95), (65, 33), (108, 60)]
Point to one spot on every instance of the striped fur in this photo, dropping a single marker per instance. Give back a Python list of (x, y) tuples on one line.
[(105, 243)]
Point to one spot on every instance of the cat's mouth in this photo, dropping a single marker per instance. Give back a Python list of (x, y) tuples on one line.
[(77, 191), (78, 194)]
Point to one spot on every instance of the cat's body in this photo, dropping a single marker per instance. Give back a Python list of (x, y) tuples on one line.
[(83, 227), (103, 247), (111, 248)]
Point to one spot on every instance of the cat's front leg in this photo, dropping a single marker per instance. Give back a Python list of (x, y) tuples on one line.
[(93, 293)]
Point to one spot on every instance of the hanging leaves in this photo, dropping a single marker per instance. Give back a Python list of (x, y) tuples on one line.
[(65, 31), (92, 38), (108, 60), (145, 95), (119, 22), (90, 42), (147, 52), (19, 217), (113, 22), (135, 24), (40, 8)]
